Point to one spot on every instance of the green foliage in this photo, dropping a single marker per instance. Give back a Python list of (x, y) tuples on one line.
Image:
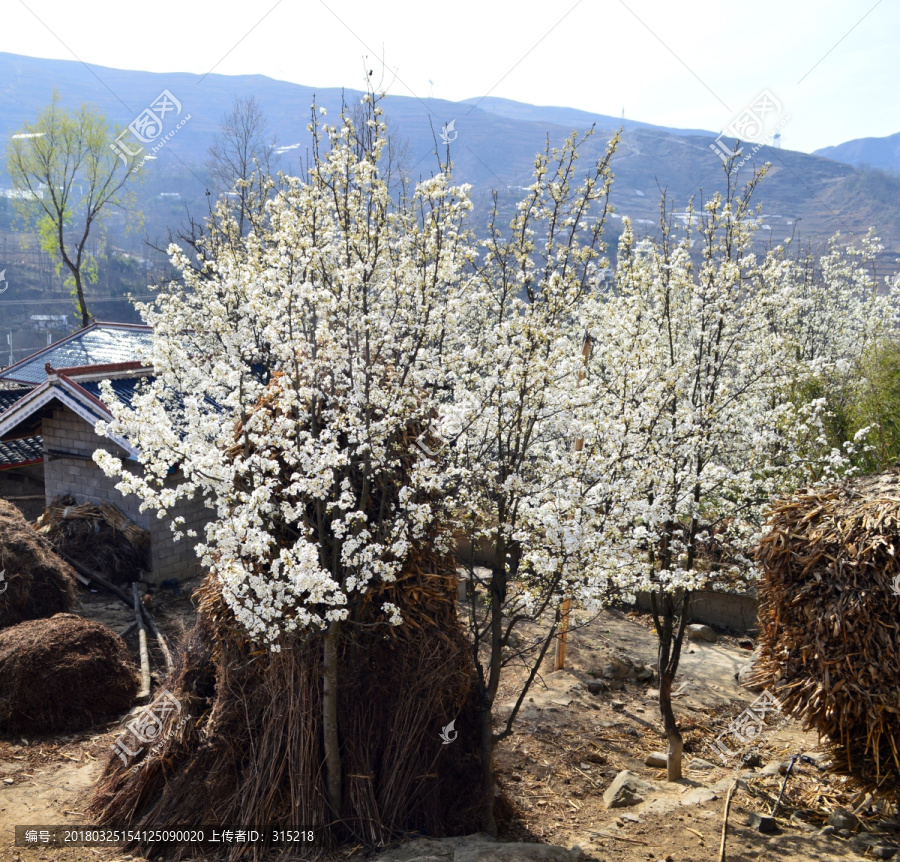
[(876, 403), (68, 179)]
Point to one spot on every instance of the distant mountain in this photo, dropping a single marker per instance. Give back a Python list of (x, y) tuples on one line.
[(493, 143), (571, 117), (883, 153)]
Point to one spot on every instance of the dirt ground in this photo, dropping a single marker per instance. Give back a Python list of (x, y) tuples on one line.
[(567, 747)]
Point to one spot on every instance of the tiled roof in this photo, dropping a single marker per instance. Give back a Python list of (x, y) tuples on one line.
[(97, 344), (8, 397), (28, 450), (124, 387)]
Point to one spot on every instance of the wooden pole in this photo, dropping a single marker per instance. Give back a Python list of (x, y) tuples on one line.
[(563, 635), (85, 575), (170, 665), (142, 642), (725, 820), (566, 606)]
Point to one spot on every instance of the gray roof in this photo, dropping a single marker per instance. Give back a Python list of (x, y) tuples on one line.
[(27, 450), (97, 344)]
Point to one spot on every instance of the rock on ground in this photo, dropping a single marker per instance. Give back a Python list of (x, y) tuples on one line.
[(626, 789), (698, 632)]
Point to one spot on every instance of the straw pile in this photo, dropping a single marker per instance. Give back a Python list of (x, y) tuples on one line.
[(36, 583), (64, 673), (100, 537), (252, 749), (830, 621)]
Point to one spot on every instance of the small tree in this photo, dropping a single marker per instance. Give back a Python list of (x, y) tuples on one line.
[(696, 361), (242, 159), (67, 180), (517, 362)]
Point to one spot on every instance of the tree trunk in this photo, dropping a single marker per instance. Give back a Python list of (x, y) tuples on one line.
[(670, 642), (487, 767), (330, 718), (670, 725), (79, 291)]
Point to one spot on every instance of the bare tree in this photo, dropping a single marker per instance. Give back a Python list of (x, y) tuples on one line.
[(242, 158)]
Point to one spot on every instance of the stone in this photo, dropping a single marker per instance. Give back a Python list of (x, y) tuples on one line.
[(701, 765), (699, 632), (762, 823), (841, 819), (618, 704), (801, 824), (751, 759), (889, 824), (643, 674), (657, 758), (616, 685), (826, 830), (883, 851), (596, 686), (617, 668), (626, 790), (699, 796)]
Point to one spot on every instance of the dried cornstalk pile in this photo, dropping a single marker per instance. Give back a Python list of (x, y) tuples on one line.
[(830, 621), (100, 537)]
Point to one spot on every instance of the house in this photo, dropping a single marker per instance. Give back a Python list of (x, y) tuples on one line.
[(49, 407)]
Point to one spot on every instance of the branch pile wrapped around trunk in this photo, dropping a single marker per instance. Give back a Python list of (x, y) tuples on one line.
[(830, 621), (245, 745)]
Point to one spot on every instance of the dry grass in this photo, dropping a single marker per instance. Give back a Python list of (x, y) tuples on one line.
[(830, 627)]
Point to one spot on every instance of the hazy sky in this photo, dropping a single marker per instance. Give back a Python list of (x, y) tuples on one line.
[(834, 65)]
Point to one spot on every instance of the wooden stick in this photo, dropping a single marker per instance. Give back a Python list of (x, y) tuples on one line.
[(725, 820), (563, 635), (623, 838), (112, 588), (93, 576), (128, 630), (142, 643), (163, 645)]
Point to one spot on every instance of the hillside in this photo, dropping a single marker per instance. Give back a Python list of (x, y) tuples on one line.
[(883, 153), (809, 197)]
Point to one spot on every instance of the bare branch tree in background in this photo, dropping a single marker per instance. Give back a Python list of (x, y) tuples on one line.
[(242, 158)]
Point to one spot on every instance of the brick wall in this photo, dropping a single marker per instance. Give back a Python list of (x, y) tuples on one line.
[(66, 431)]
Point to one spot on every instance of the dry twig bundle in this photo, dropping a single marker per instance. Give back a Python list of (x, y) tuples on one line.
[(100, 537), (830, 621)]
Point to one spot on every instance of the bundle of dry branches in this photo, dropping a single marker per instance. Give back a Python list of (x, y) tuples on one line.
[(830, 621), (99, 536), (252, 751)]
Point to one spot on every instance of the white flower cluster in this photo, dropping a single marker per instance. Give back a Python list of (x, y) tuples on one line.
[(358, 349)]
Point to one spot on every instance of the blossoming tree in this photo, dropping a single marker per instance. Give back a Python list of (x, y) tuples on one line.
[(697, 359), (293, 372)]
